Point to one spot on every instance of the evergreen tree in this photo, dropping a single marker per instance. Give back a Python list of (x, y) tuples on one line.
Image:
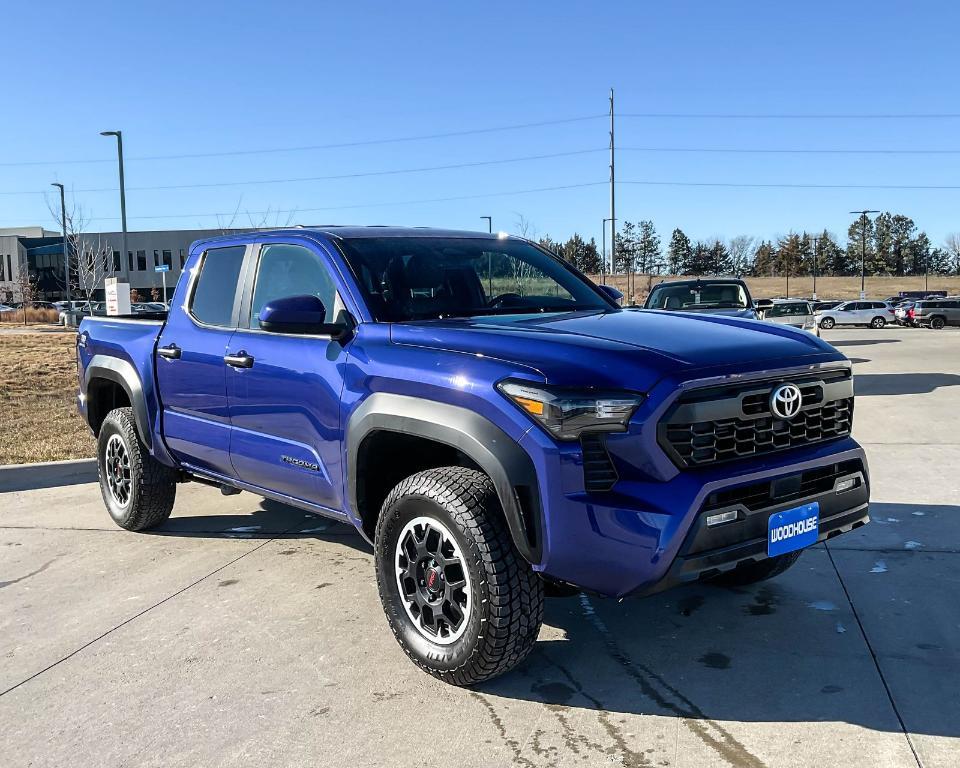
[(648, 247), (831, 258), (901, 233), (625, 253), (791, 254), (940, 262), (720, 263), (764, 259), (917, 255), (678, 253), (861, 231), (700, 261)]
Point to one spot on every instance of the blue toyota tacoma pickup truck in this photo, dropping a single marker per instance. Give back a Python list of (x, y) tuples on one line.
[(490, 420)]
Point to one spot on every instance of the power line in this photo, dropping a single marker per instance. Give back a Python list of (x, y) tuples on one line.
[(749, 151), (789, 186), (791, 116), (359, 175), (362, 205), (312, 147)]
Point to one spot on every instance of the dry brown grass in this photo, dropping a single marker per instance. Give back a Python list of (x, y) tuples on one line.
[(827, 287), (38, 386), (33, 316)]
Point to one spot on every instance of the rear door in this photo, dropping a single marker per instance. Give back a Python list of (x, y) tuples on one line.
[(285, 393), (191, 372)]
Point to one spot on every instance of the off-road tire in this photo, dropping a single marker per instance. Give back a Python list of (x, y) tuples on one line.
[(152, 485), (937, 323), (506, 608), (878, 322), (750, 573), (827, 323)]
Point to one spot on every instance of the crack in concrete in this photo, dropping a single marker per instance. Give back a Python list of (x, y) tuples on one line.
[(41, 569), (726, 745)]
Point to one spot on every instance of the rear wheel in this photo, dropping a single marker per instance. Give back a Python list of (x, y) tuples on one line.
[(752, 572), (827, 322), (460, 600), (138, 490), (878, 322), (937, 323)]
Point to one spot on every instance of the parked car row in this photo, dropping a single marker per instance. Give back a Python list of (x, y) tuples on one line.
[(731, 297)]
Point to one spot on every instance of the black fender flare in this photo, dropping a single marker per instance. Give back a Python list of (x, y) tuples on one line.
[(507, 464), (123, 373)]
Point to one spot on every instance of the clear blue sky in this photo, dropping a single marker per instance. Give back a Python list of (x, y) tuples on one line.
[(182, 78)]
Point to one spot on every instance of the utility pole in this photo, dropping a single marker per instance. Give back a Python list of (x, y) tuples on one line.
[(124, 259), (603, 261), (489, 257), (613, 199), (816, 242), (66, 249), (863, 250)]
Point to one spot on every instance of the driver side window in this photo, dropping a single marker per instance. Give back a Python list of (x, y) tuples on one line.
[(291, 270)]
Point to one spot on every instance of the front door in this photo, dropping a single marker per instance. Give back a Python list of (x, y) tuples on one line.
[(284, 389), (190, 361)]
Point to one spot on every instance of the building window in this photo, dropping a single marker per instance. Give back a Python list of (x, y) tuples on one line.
[(156, 258), (9, 268), (116, 261), (130, 261), (183, 258), (142, 261), (2, 277), (168, 259)]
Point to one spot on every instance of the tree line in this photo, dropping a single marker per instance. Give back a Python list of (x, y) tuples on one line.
[(890, 244)]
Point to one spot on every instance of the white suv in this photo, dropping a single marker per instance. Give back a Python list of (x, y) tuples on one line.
[(876, 314)]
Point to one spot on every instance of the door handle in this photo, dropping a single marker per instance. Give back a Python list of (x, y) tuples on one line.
[(239, 360), (171, 352)]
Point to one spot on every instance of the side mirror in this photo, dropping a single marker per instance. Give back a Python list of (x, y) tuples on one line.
[(301, 315), (762, 305), (611, 292)]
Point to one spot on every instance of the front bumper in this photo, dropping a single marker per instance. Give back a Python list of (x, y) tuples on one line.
[(646, 536)]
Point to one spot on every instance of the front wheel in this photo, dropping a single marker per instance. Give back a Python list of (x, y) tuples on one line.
[(878, 322), (138, 490), (460, 600), (827, 323)]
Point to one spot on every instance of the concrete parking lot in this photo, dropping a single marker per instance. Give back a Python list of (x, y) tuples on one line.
[(248, 633)]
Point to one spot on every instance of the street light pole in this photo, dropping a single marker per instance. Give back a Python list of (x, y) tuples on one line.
[(816, 242), (863, 250), (124, 259), (66, 250), (489, 256)]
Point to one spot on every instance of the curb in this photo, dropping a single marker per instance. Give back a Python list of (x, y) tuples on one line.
[(46, 474)]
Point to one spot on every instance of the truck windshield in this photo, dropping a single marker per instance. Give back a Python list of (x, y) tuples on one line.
[(421, 278), (698, 296)]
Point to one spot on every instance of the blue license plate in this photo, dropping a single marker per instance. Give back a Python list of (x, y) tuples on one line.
[(793, 529)]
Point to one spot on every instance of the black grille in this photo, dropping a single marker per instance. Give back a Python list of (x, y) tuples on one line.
[(599, 473), (736, 422)]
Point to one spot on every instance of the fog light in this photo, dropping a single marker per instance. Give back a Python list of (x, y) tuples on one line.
[(846, 485), (723, 517)]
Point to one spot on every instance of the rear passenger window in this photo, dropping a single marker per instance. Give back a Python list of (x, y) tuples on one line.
[(291, 270), (212, 301)]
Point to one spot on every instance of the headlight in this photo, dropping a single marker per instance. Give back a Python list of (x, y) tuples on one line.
[(568, 413)]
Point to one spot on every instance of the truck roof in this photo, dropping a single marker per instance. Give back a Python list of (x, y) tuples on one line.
[(348, 232)]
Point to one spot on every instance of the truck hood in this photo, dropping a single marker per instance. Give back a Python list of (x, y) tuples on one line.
[(623, 349)]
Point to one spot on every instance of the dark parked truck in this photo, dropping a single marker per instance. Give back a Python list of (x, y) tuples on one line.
[(493, 423)]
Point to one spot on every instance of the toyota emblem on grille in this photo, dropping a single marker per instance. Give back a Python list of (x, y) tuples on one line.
[(785, 401)]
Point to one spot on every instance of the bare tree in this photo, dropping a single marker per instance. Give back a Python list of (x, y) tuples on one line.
[(952, 244), (740, 248), (91, 262), (25, 289)]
